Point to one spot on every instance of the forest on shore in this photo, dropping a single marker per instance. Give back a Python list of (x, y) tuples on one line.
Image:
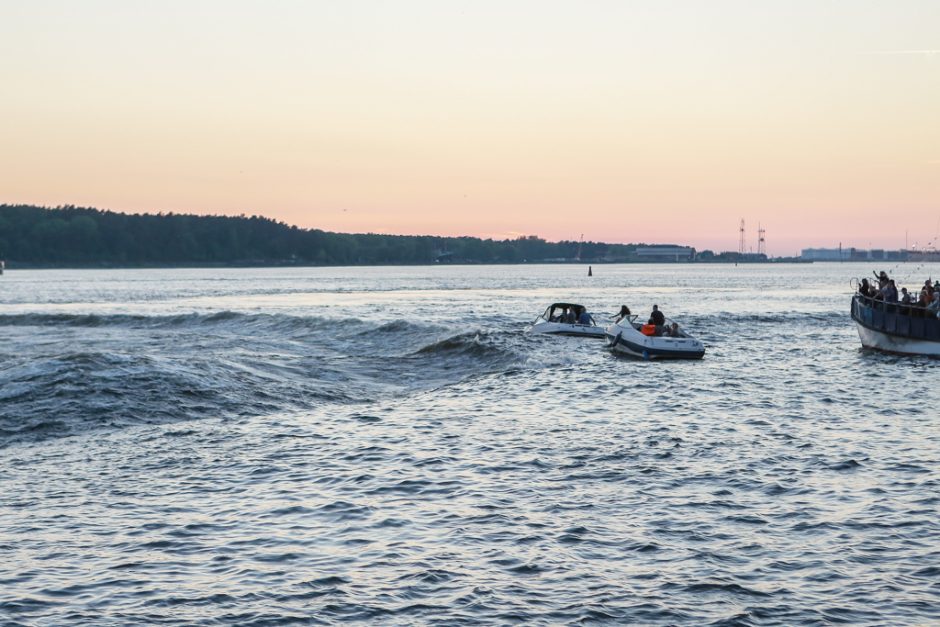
[(69, 236)]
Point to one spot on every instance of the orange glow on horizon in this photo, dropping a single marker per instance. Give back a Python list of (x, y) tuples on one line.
[(662, 123)]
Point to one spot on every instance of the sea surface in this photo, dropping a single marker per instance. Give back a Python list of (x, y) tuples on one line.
[(387, 446)]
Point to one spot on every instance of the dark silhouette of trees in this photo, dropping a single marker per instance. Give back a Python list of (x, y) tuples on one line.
[(80, 236)]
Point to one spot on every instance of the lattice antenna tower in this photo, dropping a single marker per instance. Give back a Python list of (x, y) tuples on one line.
[(741, 237), (761, 241)]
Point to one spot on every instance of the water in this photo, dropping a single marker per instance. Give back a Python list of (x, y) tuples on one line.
[(386, 445)]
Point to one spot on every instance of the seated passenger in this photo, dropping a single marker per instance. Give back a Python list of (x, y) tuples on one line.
[(864, 288), (584, 318), (674, 330), (935, 303), (569, 316)]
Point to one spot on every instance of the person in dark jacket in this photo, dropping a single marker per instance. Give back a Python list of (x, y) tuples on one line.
[(657, 316)]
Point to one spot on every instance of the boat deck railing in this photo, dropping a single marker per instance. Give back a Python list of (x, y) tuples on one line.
[(896, 307), (898, 319)]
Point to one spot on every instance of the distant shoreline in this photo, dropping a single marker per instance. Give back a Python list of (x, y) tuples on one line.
[(14, 265), (85, 237)]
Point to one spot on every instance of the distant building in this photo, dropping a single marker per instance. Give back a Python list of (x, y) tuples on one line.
[(826, 254), (926, 255), (852, 254), (665, 253), (896, 255)]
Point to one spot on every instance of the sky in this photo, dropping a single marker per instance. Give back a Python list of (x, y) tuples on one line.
[(621, 121)]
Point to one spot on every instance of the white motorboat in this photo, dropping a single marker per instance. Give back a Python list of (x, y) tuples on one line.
[(647, 341), (562, 319)]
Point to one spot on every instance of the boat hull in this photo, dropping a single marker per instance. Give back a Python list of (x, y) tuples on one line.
[(571, 330), (895, 328), (897, 345)]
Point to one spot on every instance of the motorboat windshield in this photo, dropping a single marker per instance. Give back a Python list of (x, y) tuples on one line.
[(566, 319), (565, 313)]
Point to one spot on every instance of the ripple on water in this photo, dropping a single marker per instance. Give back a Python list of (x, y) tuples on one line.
[(434, 465)]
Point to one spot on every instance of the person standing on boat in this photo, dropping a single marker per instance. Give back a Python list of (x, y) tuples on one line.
[(905, 296), (890, 292), (657, 318), (882, 279), (624, 313)]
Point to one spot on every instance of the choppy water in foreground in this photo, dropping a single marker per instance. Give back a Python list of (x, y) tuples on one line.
[(322, 446)]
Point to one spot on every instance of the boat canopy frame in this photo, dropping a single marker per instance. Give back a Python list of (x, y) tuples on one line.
[(551, 309)]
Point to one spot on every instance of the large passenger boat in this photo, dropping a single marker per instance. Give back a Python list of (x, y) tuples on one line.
[(895, 327)]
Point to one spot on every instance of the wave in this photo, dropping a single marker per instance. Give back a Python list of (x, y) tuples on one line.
[(778, 318), (767, 318), (160, 369), (285, 322), (477, 343), (486, 350), (72, 392), (225, 317)]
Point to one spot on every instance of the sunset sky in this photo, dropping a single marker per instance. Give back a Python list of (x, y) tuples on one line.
[(626, 121)]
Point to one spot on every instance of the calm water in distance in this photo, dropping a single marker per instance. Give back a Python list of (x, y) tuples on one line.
[(387, 446)]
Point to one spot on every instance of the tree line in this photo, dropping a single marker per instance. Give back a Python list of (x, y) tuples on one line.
[(83, 236)]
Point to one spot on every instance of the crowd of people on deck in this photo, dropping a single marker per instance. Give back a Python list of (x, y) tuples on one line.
[(886, 290)]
